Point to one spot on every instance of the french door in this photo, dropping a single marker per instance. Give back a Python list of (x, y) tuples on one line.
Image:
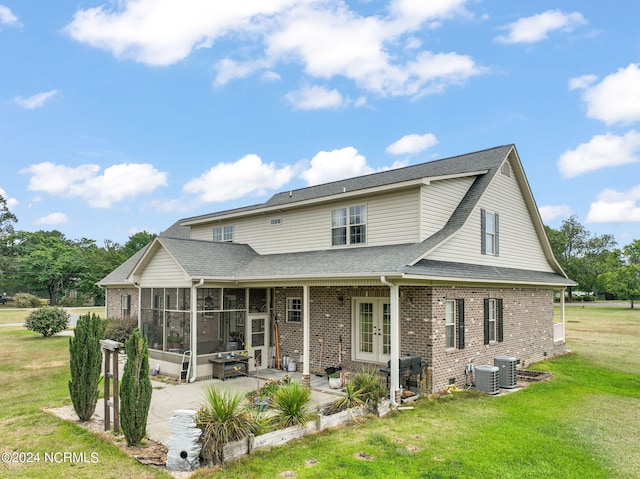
[(372, 329)]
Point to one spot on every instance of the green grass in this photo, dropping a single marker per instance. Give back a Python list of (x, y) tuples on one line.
[(34, 374), (582, 424)]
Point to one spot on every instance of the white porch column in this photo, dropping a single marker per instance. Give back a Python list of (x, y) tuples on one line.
[(306, 335), (194, 329), (394, 380), (564, 326)]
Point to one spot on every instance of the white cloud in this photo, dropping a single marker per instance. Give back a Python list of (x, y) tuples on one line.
[(582, 82), (7, 17), (327, 39), (616, 99), (10, 202), (335, 165), (411, 144), (117, 183), (615, 206), (35, 101), (537, 27), (551, 212), (52, 219), (601, 151), (228, 181), (315, 98)]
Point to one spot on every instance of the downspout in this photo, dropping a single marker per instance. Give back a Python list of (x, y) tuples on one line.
[(394, 382), (194, 330)]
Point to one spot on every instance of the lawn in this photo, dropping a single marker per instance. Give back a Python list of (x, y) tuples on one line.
[(581, 424)]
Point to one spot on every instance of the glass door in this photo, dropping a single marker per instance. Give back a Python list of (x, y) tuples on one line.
[(372, 330), (258, 344)]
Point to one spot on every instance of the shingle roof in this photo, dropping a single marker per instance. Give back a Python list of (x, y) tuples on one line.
[(489, 159)]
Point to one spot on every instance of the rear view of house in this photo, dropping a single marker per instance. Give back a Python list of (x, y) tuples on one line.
[(446, 260)]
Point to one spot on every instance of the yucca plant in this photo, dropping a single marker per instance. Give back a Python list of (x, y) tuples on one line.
[(352, 398), (291, 405), (369, 383), (224, 417)]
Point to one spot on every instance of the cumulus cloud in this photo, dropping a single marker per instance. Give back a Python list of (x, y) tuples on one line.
[(616, 99), (7, 17), (11, 202), (314, 98), (52, 219), (228, 181), (327, 39), (537, 27), (614, 206), (35, 101), (601, 151), (411, 144), (551, 212), (335, 165), (117, 183)]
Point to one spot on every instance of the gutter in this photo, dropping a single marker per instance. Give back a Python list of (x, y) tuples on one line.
[(394, 382)]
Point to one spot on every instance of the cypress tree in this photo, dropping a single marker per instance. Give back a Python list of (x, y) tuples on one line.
[(85, 364), (135, 389)]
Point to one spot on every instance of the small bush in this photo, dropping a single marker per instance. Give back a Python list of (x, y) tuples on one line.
[(588, 297), (26, 300), (369, 383), (47, 320), (291, 405), (120, 329)]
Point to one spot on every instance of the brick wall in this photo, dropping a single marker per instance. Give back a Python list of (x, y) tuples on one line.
[(114, 301)]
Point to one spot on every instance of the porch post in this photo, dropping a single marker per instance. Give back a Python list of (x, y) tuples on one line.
[(564, 334), (394, 380), (306, 376), (194, 330)]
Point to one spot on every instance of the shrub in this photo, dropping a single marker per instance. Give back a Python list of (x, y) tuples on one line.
[(223, 418), (352, 398), (589, 297), (47, 320), (135, 390), (369, 383), (85, 363), (26, 300), (120, 329), (291, 405)]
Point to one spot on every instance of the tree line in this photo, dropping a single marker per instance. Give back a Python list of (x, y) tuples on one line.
[(47, 263)]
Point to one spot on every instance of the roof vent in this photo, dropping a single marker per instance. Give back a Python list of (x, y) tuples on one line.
[(487, 379), (507, 366)]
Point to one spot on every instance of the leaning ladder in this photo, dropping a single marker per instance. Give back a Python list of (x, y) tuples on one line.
[(186, 367)]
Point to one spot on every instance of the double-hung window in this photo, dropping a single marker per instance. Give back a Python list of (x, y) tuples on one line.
[(493, 320), (294, 310), (223, 233), (349, 225), (489, 226), (454, 323)]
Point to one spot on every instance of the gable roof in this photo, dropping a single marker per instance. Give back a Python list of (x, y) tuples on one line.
[(239, 262)]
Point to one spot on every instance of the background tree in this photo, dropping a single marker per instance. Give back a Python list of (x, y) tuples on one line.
[(582, 255), (136, 242), (6, 230), (49, 262), (95, 263), (135, 390), (86, 364), (623, 275)]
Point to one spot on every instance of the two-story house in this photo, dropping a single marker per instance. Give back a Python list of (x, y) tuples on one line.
[(447, 260)]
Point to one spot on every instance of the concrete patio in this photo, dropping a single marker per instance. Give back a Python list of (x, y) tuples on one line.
[(168, 397)]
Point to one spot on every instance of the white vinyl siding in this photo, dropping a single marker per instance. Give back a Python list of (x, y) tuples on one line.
[(162, 270), (439, 200), (519, 243), (392, 218)]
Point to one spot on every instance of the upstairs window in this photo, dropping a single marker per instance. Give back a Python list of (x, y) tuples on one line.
[(489, 227), (223, 233), (349, 225)]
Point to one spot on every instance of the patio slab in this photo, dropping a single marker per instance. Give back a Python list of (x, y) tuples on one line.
[(166, 398)]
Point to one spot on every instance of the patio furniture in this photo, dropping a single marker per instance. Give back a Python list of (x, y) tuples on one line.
[(230, 367)]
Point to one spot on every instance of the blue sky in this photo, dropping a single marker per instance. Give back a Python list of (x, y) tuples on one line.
[(127, 115)]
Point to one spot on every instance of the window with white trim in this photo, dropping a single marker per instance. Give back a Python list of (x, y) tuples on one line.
[(349, 225), (489, 226), (450, 323), (493, 320), (223, 233), (126, 305), (294, 310)]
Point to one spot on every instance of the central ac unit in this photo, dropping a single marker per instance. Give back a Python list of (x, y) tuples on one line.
[(508, 374), (487, 379)]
